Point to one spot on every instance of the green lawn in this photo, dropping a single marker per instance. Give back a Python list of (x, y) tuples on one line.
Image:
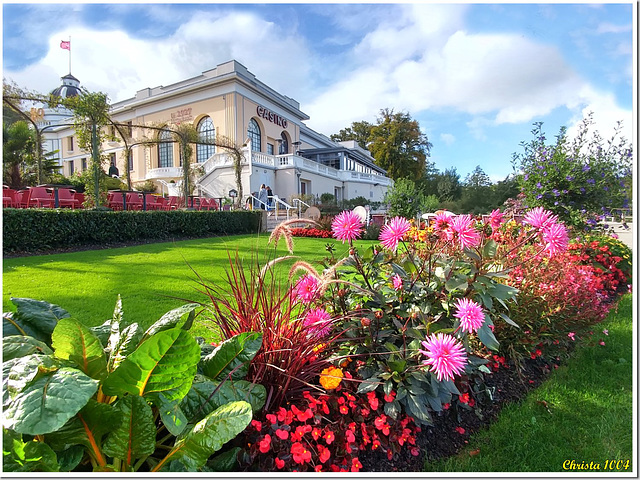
[(87, 284), (589, 416)]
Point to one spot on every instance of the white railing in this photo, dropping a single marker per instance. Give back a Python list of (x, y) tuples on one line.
[(277, 201), (298, 202), (164, 172), (263, 159)]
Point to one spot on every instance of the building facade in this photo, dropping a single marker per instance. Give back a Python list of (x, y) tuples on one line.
[(229, 103)]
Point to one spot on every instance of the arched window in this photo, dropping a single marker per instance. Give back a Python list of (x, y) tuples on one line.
[(165, 150), (253, 132), (284, 145), (207, 133)]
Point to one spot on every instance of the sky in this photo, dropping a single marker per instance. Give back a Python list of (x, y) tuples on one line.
[(475, 76)]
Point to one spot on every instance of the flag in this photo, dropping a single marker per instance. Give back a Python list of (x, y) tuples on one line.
[(66, 45)]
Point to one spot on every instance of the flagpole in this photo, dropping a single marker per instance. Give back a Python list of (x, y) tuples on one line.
[(69, 54)]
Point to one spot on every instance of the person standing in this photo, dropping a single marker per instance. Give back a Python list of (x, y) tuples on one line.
[(269, 197), (262, 196)]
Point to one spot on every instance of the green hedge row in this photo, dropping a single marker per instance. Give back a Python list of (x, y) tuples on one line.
[(28, 230)]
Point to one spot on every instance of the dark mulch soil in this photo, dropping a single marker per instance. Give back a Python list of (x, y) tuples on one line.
[(441, 440)]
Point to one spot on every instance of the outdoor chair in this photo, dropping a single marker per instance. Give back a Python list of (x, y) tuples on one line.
[(66, 198), (115, 201), (152, 202), (134, 201), (21, 199), (40, 197), (174, 202), (80, 197), (8, 198)]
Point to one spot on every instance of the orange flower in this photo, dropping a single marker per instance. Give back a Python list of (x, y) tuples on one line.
[(331, 377)]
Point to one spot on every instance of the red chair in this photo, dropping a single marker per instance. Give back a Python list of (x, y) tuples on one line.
[(80, 197), (213, 205), (66, 198), (8, 197), (115, 201), (152, 202), (134, 201), (40, 197), (22, 198), (174, 202), (163, 203)]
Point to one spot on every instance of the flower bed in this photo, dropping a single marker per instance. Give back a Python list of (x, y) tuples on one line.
[(342, 363)]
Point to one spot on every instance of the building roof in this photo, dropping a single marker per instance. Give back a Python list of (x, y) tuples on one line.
[(70, 87)]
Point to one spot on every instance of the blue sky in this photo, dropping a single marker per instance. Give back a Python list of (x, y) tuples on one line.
[(475, 76)]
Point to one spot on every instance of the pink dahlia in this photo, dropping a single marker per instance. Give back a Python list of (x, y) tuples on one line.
[(556, 238), (318, 321), (540, 218), (346, 226), (496, 218), (468, 236), (392, 232), (397, 282), (470, 314), (441, 220), (306, 289), (446, 356)]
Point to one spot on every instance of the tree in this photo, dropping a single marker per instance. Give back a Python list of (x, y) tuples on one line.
[(18, 158), (358, 131), (448, 185), (398, 145), (580, 180), (405, 199)]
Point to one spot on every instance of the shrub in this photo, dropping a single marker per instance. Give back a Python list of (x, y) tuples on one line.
[(39, 229)]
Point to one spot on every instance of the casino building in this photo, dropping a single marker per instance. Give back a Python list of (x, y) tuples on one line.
[(228, 102)]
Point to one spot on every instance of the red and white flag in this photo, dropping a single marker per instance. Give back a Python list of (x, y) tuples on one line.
[(65, 44)]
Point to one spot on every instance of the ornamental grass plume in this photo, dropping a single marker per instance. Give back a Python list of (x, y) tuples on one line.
[(445, 355), (467, 236), (393, 232), (346, 226), (470, 315)]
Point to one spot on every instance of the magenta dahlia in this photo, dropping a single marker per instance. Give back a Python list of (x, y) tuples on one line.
[(318, 321), (393, 232), (346, 226), (470, 315), (445, 356), (467, 236)]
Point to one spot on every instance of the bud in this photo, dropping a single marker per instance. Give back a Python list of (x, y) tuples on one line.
[(365, 321), (342, 292), (352, 251), (379, 313)]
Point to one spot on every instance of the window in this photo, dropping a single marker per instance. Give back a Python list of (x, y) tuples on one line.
[(207, 133), (130, 128), (165, 150), (130, 163), (71, 144), (71, 169), (253, 132), (270, 148), (284, 145), (84, 164), (112, 159)]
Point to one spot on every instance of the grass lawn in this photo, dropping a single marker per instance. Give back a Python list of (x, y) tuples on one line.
[(87, 284), (589, 416)]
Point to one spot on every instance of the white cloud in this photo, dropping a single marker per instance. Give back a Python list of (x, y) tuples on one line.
[(447, 138), (119, 64), (611, 28)]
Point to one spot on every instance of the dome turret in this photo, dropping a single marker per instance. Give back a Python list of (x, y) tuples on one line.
[(70, 87)]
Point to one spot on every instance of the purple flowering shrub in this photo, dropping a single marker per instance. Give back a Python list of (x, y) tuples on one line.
[(580, 181)]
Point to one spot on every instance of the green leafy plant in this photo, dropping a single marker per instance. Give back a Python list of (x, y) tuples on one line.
[(118, 398)]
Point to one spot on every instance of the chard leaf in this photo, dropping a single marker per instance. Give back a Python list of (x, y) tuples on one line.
[(26, 369), (73, 341), (35, 318), (200, 402), (225, 462), (169, 320), (122, 344), (15, 346), (172, 415), (87, 428), (49, 402), (18, 456), (136, 435), (166, 363), (232, 354), (209, 435), (70, 458), (102, 332)]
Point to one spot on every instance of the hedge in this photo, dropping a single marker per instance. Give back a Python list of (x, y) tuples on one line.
[(28, 230)]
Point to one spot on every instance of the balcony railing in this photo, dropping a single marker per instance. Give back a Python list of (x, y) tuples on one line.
[(164, 172)]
